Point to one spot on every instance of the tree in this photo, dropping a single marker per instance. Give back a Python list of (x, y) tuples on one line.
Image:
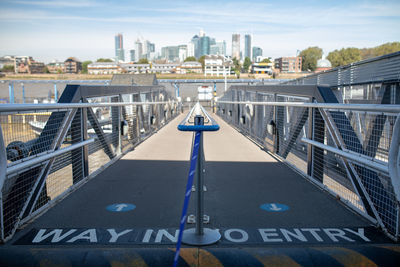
[(85, 66), (8, 68), (310, 57), (202, 60), (381, 50), (246, 64), (190, 59), (143, 61), (104, 60), (46, 70), (344, 56), (266, 60)]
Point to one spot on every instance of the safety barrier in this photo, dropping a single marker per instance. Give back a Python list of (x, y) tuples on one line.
[(48, 150), (195, 122), (351, 150)]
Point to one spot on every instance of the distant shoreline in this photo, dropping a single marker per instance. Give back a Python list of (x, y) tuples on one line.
[(48, 76)]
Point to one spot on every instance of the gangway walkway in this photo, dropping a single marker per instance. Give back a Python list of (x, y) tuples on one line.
[(266, 212)]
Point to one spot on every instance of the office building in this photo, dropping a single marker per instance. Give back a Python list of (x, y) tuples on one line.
[(247, 46), (170, 53), (236, 46), (132, 55), (219, 48), (288, 64), (119, 48), (257, 52), (138, 50), (182, 52)]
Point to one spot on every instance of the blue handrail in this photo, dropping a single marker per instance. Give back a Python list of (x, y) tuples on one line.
[(198, 110)]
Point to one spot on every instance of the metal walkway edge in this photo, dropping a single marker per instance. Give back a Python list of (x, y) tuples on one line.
[(267, 214)]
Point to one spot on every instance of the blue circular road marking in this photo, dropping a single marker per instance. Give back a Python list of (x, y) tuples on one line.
[(274, 207), (120, 207)]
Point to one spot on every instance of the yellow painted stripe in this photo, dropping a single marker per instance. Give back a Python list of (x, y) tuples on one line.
[(347, 257), (189, 255), (276, 260), (129, 260), (207, 259)]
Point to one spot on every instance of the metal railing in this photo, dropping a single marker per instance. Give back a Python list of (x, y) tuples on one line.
[(48, 150), (343, 148), (375, 70)]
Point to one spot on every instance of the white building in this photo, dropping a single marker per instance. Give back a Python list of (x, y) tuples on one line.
[(190, 49), (103, 68), (217, 66), (190, 67), (182, 53), (135, 68), (164, 68)]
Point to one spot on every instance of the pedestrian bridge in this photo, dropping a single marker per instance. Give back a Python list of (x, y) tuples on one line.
[(294, 175)]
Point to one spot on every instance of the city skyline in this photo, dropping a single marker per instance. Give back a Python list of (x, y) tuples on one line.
[(50, 30)]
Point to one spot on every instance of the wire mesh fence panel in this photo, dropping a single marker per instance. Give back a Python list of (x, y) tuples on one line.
[(83, 140), (328, 144)]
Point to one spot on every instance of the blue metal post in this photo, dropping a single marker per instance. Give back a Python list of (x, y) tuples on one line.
[(23, 93), (176, 89), (55, 93), (11, 92)]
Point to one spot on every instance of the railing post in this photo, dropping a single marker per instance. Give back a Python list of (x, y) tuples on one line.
[(11, 92), (85, 149), (199, 120), (309, 146), (3, 170), (23, 93)]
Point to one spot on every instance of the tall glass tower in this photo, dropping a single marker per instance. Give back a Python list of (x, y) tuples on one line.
[(236, 46), (247, 46), (119, 48)]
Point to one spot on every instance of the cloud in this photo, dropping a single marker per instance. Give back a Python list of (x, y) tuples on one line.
[(59, 4)]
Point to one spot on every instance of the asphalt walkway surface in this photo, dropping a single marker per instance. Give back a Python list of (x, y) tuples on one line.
[(255, 201)]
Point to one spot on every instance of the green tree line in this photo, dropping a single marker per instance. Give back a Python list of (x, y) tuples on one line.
[(345, 56)]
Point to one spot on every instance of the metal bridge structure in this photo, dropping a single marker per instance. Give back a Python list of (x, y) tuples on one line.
[(301, 173)]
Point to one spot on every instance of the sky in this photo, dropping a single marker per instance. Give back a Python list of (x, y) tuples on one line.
[(49, 30)]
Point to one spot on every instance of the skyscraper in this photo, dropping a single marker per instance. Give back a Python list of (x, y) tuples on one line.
[(119, 48), (257, 52), (138, 49), (219, 48), (236, 46), (247, 46), (132, 52)]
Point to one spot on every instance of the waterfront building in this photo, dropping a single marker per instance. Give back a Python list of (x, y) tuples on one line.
[(72, 65), (164, 68), (236, 46), (119, 48), (134, 68), (189, 67), (55, 67), (104, 68), (215, 65), (323, 65), (288, 64), (26, 64), (262, 68)]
